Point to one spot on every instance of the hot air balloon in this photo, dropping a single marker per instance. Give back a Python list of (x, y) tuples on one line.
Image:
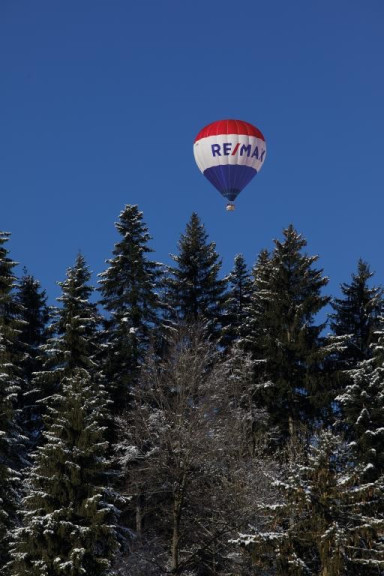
[(229, 153)]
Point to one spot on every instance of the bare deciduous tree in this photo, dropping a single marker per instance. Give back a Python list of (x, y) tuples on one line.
[(188, 469)]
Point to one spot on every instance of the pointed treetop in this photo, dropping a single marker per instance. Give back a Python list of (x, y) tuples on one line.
[(195, 291)]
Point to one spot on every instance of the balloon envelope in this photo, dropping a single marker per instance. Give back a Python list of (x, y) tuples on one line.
[(229, 153)]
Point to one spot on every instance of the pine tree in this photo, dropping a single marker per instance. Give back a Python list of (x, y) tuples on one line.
[(283, 335), (12, 450), (129, 295), (260, 292), (69, 522), (362, 405), (236, 304), (9, 478), (195, 292), (34, 316), (324, 519), (74, 340), (356, 317)]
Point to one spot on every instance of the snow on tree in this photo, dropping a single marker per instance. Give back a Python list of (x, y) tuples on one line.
[(236, 303), (362, 405), (129, 295), (355, 321), (252, 328), (9, 445), (12, 449), (74, 340), (259, 435), (356, 316), (324, 521), (282, 332), (189, 470), (34, 316), (69, 518)]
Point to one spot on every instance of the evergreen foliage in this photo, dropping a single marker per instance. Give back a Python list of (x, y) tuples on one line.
[(195, 292), (324, 522), (12, 452), (129, 295), (9, 448), (283, 334), (74, 340), (221, 388), (363, 408), (260, 291), (236, 303), (356, 316), (69, 520), (34, 316)]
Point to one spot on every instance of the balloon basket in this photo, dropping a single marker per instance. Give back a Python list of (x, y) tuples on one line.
[(230, 207)]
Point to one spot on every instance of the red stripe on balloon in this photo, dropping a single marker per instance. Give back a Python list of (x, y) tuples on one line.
[(229, 127)]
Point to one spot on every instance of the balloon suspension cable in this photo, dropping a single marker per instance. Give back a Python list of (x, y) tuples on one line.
[(230, 207)]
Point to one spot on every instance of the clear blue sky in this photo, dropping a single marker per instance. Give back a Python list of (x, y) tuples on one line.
[(100, 102)]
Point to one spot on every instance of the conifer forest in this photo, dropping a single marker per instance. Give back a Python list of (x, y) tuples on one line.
[(171, 420)]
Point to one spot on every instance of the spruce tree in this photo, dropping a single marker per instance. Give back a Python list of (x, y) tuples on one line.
[(12, 450), (74, 340), (260, 291), (323, 520), (236, 303), (68, 518), (356, 317), (69, 522), (362, 405), (9, 478), (34, 316), (284, 337), (196, 293), (129, 295)]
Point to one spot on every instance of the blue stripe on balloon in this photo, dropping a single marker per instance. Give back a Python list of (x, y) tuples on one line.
[(230, 179)]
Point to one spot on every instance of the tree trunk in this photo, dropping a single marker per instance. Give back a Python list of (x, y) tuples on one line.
[(176, 518), (291, 427), (139, 516), (175, 538)]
